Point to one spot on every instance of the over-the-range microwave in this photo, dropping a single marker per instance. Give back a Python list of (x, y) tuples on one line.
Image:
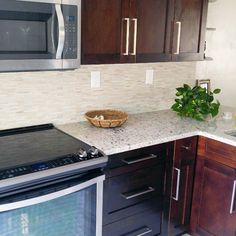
[(39, 34)]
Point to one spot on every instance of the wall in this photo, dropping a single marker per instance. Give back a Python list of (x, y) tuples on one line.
[(40, 97), (60, 97), (221, 45)]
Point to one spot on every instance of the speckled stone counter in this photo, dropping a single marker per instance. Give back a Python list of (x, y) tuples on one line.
[(148, 129)]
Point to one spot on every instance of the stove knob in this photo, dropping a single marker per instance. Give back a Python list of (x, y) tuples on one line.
[(93, 151), (82, 153)]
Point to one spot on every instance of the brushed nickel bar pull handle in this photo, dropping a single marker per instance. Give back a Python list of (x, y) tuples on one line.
[(143, 231), (232, 210), (127, 20), (146, 232), (132, 161), (176, 198), (135, 20), (178, 37), (188, 148), (133, 194)]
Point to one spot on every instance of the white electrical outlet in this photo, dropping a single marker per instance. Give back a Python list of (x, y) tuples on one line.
[(149, 76), (95, 79)]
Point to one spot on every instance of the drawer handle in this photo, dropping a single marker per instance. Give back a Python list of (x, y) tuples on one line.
[(186, 147), (134, 194), (176, 198), (144, 230), (132, 161), (232, 210)]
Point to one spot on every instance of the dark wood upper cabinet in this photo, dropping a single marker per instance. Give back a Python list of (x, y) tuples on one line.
[(101, 31), (125, 31), (189, 30), (214, 198), (153, 30), (120, 31)]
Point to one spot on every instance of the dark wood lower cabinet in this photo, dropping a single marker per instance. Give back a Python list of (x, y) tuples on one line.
[(133, 191), (170, 189), (216, 196), (182, 185), (146, 223), (137, 192), (214, 199)]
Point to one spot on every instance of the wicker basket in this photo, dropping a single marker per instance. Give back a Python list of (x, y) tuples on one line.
[(112, 118)]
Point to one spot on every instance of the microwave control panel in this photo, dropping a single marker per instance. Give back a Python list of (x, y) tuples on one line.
[(71, 32)]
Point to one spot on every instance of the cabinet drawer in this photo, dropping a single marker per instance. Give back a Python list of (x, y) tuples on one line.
[(128, 190), (156, 202), (147, 223), (185, 150), (133, 160)]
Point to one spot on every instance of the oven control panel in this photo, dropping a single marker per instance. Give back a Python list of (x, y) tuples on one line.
[(81, 155)]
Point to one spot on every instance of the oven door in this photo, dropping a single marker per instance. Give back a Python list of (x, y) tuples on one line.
[(72, 207), (39, 34)]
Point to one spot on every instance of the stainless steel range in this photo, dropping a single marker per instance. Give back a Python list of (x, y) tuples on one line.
[(50, 184)]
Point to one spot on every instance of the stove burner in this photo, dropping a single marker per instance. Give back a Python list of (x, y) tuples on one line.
[(40, 148)]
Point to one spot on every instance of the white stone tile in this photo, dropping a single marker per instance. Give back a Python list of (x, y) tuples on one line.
[(28, 98)]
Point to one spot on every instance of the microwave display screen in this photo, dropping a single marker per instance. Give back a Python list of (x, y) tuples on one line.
[(71, 18), (23, 36)]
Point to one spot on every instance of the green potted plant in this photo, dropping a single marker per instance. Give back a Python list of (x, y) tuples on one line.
[(196, 102)]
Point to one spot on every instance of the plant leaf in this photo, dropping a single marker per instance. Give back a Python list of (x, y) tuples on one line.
[(217, 91), (195, 102), (180, 90)]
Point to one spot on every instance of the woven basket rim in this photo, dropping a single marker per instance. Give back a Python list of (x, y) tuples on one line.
[(107, 123), (107, 110)]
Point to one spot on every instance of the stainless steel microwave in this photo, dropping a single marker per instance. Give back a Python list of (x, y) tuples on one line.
[(39, 34)]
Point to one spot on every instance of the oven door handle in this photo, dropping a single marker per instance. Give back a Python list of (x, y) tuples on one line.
[(51, 196), (41, 1), (61, 29)]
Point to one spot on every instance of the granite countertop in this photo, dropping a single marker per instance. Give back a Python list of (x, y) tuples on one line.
[(146, 129)]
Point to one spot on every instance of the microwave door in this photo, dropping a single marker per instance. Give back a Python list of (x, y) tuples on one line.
[(39, 34), (32, 35), (25, 29)]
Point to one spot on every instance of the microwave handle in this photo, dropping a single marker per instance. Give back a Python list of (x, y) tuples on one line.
[(61, 28)]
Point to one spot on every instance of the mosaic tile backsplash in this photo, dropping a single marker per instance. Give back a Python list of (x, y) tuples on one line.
[(29, 98)]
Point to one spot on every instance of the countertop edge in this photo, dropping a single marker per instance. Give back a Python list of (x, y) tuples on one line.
[(170, 139)]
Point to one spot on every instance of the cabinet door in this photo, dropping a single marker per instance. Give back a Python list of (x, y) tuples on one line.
[(189, 30), (214, 211), (182, 187), (150, 30), (103, 23)]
